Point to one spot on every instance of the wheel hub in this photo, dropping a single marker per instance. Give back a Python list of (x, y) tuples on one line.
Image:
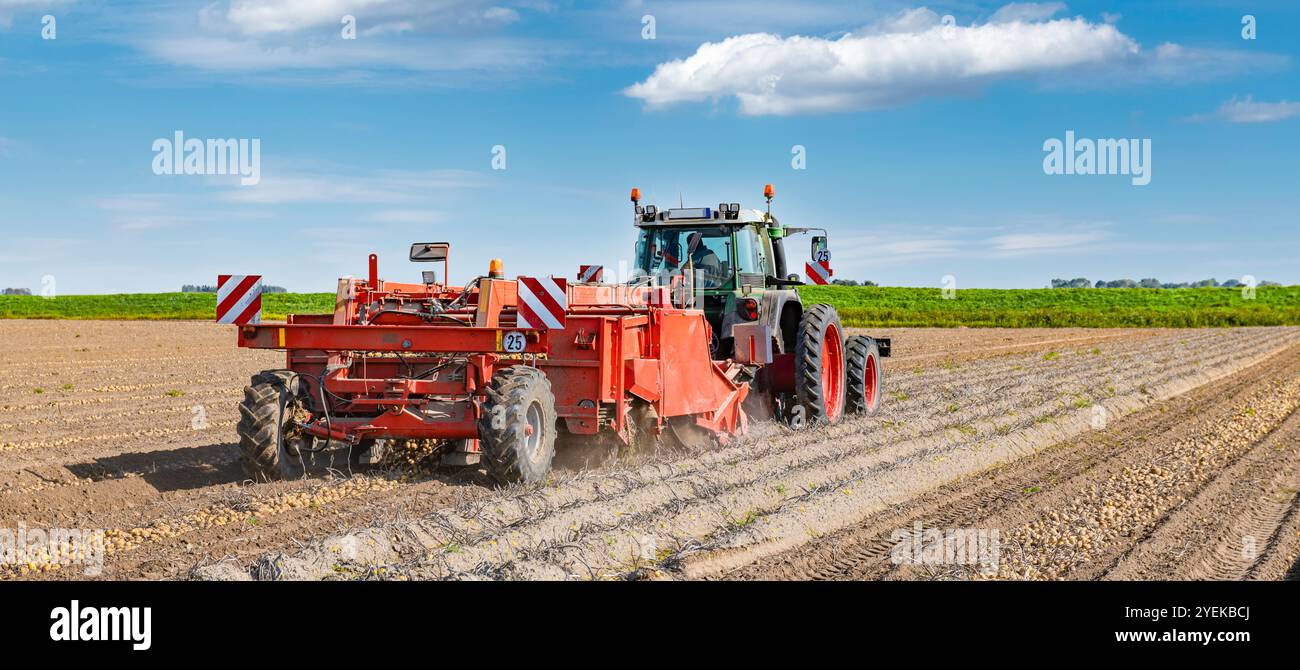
[(833, 373)]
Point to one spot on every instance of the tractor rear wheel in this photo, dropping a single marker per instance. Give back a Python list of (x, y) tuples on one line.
[(270, 446), (865, 376), (517, 427), (819, 365)]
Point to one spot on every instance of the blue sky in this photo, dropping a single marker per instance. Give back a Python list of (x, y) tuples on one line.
[(923, 135)]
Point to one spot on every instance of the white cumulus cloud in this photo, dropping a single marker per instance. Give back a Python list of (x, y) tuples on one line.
[(913, 55)]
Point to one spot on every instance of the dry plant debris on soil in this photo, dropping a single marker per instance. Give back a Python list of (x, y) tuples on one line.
[(128, 427)]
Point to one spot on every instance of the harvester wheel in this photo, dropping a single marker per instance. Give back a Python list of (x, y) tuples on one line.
[(865, 376), (819, 365), (269, 446), (517, 426)]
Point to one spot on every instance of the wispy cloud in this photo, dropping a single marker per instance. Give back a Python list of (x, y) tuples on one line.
[(913, 55), (294, 41), (238, 54), (29, 249), (388, 187), (406, 216), (135, 202), (262, 17), (1027, 12), (1250, 111), (134, 212), (906, 244), (1033, 242), (392, 197), (11, 8)]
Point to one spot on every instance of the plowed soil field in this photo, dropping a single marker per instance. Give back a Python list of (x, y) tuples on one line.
[(1094, 454)]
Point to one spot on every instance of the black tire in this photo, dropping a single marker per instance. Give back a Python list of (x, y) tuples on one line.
[(819, 323), (518, 426), (865, 375), (267, 450)]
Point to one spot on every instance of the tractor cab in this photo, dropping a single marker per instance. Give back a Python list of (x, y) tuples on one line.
[(731, 261), (724, 254)]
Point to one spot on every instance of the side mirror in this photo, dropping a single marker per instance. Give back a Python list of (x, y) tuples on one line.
[(821, 252), (429, 252), (793, 276)]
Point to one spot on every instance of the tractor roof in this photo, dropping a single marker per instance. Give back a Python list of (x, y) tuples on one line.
[(695, 216)]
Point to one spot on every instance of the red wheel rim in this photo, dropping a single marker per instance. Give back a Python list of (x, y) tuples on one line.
[(833, 373), (870, 385)]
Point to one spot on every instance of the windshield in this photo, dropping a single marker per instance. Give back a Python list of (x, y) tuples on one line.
[(667, 250)]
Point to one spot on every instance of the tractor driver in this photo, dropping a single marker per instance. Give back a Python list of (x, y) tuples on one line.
[(705, 261)]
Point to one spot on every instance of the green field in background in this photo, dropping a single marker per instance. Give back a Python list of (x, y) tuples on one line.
[(858, 306), (1061, 307), (201, 306)]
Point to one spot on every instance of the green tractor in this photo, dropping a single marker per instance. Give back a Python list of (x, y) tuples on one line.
[(732, 263)]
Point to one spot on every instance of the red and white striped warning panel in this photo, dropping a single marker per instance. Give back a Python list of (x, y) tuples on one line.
[(819, 273), (239, 299), (590, 273), (543, 302)]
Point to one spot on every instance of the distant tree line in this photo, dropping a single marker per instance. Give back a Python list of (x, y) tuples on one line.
[(1082, 282), (17, 291), (852, 282), (204, 288)]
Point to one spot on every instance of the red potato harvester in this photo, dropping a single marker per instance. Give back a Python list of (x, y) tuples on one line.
[(497, 370)]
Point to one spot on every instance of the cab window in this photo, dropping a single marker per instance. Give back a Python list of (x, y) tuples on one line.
[(668, 250), (749, 252)]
